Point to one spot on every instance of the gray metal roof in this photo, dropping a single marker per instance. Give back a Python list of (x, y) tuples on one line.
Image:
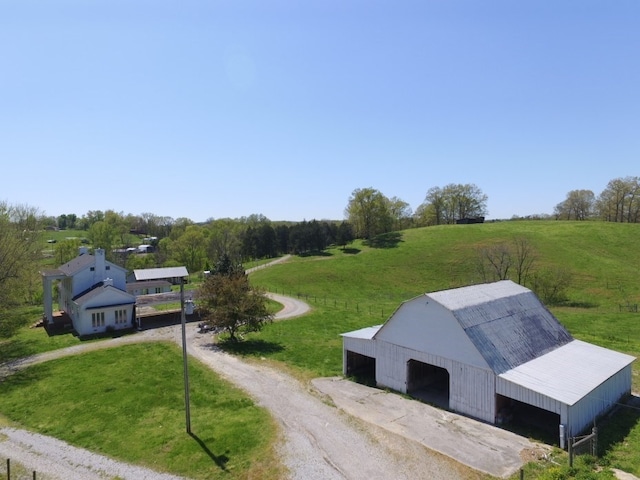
[(77, 264), (366, 333), (160, 273), (570, 372), (463, 297), (505, 321)]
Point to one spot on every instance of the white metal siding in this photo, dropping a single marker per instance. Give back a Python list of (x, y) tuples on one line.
[(472, 392), (528, 396), (598, 401), (471, 389), (357, 345), (581, 415)]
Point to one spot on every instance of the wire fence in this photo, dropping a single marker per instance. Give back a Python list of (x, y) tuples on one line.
[(380, 310), (19, 474)]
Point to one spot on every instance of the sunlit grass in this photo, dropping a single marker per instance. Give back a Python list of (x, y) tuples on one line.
[(128, 403)]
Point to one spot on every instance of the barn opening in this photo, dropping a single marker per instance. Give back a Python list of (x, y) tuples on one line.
[(528, 419), (361, 368), (428, 383)]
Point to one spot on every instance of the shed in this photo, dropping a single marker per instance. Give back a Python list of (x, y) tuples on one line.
[(488, 350)]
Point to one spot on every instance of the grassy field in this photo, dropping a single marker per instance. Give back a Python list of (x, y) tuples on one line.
[(362, 286), (128, 403)]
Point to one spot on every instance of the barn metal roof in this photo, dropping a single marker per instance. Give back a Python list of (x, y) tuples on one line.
[(364, 333), (505, 321), (160, 273), (457, 298), (570, 372)]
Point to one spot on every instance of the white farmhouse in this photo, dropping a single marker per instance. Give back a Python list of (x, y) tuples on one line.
[(489, 350), (92, 295)]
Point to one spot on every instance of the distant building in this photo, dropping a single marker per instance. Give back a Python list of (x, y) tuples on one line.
[(463, 221), (490, 351)]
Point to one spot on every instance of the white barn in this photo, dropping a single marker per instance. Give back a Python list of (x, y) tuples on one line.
[(487, 350)]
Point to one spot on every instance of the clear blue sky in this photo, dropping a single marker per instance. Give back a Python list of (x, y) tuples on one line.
[(213, 109)]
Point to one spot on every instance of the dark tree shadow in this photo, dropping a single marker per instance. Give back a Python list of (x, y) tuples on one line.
[(615, 427), (315, 253), (385, 240), (18, 378), (574, 304), (350, 251), (221, 460), (250, 347)]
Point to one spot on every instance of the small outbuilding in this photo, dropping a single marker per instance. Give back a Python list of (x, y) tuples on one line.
[(488, 351)]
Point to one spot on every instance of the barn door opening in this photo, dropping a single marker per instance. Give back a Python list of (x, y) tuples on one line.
[(428, 383), (361, 368), (528, 420)]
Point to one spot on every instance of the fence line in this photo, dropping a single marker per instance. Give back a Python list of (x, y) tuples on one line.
[(9, 470)]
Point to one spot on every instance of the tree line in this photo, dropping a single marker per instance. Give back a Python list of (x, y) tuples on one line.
[(368, 214), (618, 202)]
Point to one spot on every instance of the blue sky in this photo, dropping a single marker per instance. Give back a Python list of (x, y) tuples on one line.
[(213, 109)]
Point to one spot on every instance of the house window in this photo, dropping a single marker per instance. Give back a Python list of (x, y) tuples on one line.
[(121, 317), (97, 319), (107, 267), (92, 269)]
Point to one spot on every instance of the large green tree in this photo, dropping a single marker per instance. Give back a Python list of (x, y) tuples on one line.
[(20, 244), (579, 205), (446, 205), (620, 200), (369, 212), (227, 302), (189, 249)]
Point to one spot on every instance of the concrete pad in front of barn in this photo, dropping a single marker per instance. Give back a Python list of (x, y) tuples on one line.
[(478, 445)]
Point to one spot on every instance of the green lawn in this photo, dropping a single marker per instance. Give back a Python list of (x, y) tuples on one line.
[(128, 403), (30, 340)]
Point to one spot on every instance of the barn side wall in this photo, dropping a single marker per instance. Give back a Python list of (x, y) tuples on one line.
[(524, 395), (357, 345), (598, 401), (471, 389)]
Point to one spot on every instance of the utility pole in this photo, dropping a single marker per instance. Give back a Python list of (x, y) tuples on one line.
[(187, 409)]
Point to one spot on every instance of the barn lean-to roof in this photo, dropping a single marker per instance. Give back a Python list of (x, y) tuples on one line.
[(506, 322)]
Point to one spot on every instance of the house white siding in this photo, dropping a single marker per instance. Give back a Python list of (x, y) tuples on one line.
[(106, 302)]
